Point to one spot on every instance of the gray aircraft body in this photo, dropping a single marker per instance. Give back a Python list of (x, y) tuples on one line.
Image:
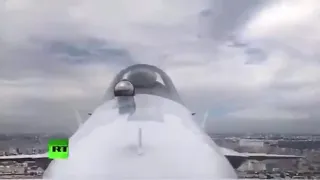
[(143, 130)]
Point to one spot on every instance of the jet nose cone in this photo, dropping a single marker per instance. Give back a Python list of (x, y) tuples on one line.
[(124, 88)]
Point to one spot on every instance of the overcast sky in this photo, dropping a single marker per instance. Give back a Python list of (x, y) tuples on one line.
[(254, 64)]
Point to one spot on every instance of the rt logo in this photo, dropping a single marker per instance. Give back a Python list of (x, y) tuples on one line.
[(58, 149)]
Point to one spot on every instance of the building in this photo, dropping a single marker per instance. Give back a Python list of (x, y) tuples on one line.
[(252, 165), (34, 170), (12, 151), (251, 143)]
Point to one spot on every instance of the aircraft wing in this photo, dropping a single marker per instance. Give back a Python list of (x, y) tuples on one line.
[(41, 160), (257, 156), (24, 157), (264, 156), (237, 158)]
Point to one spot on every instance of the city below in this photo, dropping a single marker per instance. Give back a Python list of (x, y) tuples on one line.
[(302, 145)]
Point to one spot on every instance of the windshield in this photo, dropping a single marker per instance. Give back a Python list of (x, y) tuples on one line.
[(247, 71)]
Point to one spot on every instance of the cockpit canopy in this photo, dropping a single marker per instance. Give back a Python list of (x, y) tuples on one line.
[(143, 79)]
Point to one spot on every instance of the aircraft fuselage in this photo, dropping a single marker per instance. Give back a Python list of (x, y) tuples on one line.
[(158, 139)]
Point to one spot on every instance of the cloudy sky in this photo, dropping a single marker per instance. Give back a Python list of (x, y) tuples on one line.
[(253, 63)]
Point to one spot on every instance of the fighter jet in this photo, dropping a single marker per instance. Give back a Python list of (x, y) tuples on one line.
[(143, 130)]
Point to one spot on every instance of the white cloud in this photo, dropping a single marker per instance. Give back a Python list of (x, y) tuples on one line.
[(288, 24)]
